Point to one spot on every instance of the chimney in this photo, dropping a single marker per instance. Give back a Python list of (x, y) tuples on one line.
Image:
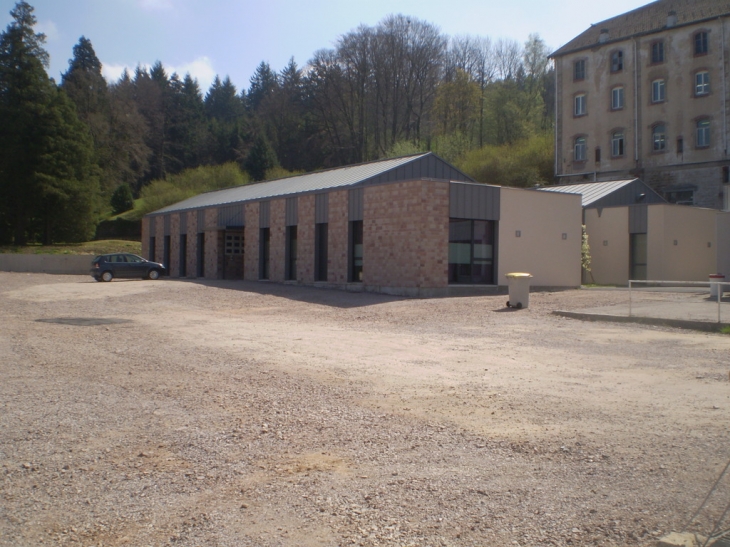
[(671, 19), (603, 37)]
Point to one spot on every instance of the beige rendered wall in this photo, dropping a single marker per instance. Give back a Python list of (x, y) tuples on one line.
[(723, 244), (681, 243), (541, 218), (405, 236), (608, 237)]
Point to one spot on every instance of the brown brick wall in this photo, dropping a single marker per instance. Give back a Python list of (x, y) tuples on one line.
[(192, 253), (337, 245), (211, 243), (251, 242), (305, 239), (277, 229), (174, 267), (405, 235)]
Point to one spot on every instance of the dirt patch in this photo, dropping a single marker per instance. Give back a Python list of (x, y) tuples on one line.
[(232, 413)]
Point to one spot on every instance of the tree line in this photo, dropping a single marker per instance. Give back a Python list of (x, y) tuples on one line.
[(70, 150)]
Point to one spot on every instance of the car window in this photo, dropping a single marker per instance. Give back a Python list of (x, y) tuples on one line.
[(133, 258), (118, 258)]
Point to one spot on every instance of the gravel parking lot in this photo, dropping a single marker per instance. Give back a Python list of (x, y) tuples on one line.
[(248, 414)]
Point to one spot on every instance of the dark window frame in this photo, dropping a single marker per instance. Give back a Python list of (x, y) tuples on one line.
[(579, 70), (291, 253), (618, 139), (617, 61), (264, 253), (657, 52), (321, 257), (183, 258), (478, 270), (701, 43), (356, 254)]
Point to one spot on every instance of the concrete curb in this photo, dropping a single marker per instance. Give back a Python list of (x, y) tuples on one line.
[(704, 326)]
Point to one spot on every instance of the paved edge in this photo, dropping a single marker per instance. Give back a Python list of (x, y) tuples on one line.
[(677, 323)]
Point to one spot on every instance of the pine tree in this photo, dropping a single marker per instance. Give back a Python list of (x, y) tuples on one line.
[(47, 185), (260, 158)]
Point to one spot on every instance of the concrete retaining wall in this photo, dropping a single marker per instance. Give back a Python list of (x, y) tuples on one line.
[(51, 264)]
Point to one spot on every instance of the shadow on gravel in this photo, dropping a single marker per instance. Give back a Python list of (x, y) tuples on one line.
[(323, 296), (84, 321)]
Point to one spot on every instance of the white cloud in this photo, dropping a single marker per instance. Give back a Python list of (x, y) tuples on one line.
[(156, 5), (48, 28), (200, 69)]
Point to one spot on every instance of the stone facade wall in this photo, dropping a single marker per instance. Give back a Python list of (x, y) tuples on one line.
[(212, 238), (192, 257), (277, 231), (405, 235), (174, 266), (251, 242), (305, 239), (338, 238)]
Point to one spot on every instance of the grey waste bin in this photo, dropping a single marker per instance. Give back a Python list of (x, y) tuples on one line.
[(519, 289)]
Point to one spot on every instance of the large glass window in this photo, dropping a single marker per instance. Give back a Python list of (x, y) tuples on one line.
[(291, 253), (617, 98), (579, 70), (617, 144), (264, 252), (356, 251), (471, 251), (657, 52), (580, 105), (320, 251), (702, 83), (703, 133), (659, 138), (658, 91), (701, 44), (579, 149), (617, 61)]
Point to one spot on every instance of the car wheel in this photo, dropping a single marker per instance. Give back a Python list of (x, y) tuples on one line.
[(153, 274), (107, 276)]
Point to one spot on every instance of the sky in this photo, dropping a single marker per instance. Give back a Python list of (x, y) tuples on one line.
[(232, 37)]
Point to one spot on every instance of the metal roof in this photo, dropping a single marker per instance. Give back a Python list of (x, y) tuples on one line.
[(645, 20), (590, 192), (352, 175)]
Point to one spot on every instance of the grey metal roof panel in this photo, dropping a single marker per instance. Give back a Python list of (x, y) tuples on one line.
[(590, 192), (311, 182)]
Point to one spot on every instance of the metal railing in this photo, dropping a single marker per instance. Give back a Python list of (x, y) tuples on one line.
[(720, 288)]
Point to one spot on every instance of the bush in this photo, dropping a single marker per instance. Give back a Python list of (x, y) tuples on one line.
[(122, 199)]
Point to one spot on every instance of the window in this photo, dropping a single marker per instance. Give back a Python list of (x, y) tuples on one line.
[(701, 44), (580, 149), (658, 91), (617, 144), (657, 52), (471, 251), (598, 155), (580, 105), (703, 133), (680, 145), (320, 251), (617, 61), (234, 243), (702, 83), (264, 252), (680, 197), (291, 253), (617, 98), (579, 70), (659, 138), (356, 251)]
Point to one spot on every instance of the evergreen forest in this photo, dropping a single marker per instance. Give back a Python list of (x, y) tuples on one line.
[(75, 152)]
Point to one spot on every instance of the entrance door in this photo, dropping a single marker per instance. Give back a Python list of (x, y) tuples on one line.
[(233, 255), (638, 256)]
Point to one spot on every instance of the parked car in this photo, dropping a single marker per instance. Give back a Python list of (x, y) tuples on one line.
[(124, 265)]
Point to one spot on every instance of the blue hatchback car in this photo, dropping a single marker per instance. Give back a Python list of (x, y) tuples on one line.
[(124, 265)]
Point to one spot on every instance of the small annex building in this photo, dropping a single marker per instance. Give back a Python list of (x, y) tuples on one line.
[(635, 234), (412, 226)]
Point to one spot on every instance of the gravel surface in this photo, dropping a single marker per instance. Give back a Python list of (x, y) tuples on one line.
[(249, 414)]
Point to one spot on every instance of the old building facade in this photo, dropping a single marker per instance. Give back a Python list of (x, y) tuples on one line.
[(645, 94)]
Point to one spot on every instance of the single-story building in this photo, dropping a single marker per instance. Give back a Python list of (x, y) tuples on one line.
[(634, 233), (413, 225)]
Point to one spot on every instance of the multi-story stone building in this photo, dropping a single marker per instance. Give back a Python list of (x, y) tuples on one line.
[(645, 94)]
